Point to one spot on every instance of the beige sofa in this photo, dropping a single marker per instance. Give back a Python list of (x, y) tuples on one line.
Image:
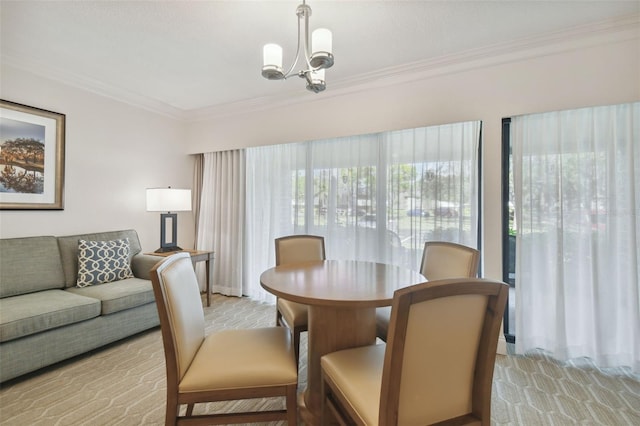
[(46, 318)]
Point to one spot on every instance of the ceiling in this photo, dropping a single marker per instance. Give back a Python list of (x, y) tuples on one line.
[(187, 56)]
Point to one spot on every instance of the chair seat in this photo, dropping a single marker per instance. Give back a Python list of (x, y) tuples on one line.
[(232, 359), (295, 314), (361, 386)]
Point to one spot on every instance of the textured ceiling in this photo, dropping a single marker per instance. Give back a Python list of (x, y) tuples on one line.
[(192, 55)]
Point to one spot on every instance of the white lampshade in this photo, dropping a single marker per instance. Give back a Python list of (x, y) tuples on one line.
[(272, 55), (321, 41), (168, 200)]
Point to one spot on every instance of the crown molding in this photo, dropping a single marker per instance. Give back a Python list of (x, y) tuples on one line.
[(603, 32), (91, 85)]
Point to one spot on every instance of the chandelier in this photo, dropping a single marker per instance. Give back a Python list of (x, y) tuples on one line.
[(321, 56)]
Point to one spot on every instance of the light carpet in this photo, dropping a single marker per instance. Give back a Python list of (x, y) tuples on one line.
[(124, 384)]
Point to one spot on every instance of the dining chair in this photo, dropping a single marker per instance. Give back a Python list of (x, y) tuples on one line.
[(295, 249), (227, 365), (437, 365), (440, 260)]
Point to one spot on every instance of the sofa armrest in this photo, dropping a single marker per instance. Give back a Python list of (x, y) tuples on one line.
[(141, 264)]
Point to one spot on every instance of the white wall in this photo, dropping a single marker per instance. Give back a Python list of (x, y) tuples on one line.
[(569, 74), (113, 152)]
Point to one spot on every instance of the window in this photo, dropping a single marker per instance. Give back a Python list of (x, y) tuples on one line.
[(374, 197), (572, 206)]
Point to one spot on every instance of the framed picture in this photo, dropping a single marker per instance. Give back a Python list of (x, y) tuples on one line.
[(31, 158)]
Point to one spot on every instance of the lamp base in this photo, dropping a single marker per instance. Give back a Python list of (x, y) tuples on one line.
[(168, 249)]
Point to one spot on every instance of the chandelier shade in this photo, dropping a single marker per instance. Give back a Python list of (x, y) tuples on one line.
[(317, 54), (272, 68), (321, 43)]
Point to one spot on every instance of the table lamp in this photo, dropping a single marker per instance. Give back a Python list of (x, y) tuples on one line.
[(168, 200)]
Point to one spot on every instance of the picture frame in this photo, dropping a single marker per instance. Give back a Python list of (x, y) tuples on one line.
[(32, 153)]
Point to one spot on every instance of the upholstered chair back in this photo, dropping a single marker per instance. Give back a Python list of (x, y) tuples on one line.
[(442, 259), (299, 248), (441, 350), (180, 305), (426, 368)]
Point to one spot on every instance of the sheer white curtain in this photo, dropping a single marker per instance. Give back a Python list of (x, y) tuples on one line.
[(577, 205), (269, 202), (445, 184), (362, 193), (221, 219)]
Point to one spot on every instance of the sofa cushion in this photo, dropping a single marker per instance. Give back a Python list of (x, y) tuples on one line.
[(32, 313), (69, 250), (103, 262), (29, 264), (119, 295)]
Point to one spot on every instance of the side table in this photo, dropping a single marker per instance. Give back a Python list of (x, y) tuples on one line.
[(196, 256)]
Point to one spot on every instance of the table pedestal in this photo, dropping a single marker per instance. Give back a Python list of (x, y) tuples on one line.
[(357, 328), (342, 296)]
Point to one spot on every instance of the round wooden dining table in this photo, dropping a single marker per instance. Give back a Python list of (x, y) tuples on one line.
[(342, 296)]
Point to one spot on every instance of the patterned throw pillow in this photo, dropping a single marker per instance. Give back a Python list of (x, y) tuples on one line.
[(103, 261)]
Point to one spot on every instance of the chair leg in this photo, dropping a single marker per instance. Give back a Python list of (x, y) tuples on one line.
[(296, 345), (172, 413), (333, 416), (292, 405), (330, 414), (324, 419), (189, 410)]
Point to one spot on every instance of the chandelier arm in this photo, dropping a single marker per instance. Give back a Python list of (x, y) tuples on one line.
[(295, 62), (306, 42), (306, 75)]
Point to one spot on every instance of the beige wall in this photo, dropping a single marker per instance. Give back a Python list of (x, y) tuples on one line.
[(113, 152), (568, 74)]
